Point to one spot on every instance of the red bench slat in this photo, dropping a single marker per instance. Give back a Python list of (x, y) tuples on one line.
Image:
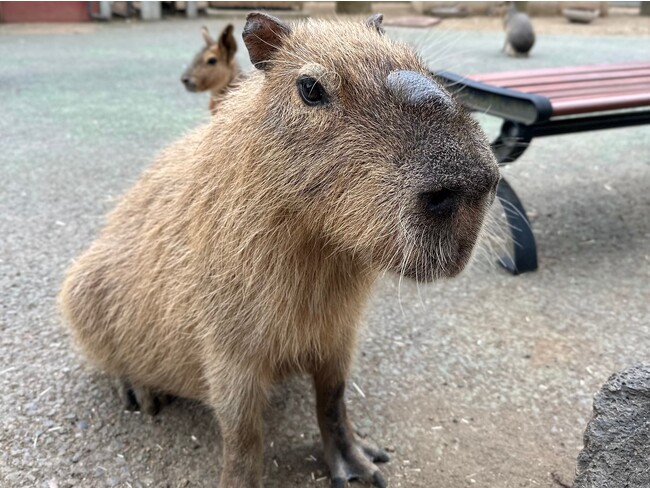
[(581, 89), (597, 91), (570, 106), (495, 78), (622, 83), (547, 80)]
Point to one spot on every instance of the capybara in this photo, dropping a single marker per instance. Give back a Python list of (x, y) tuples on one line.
[(247, 251), (214, 68)]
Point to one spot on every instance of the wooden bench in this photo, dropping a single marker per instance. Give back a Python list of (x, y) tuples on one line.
[(547, 102)]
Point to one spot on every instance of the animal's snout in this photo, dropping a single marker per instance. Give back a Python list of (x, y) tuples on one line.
[(414, 88), (488, 181), (440, 203), (189, 83), (471, 177), (444, 198)]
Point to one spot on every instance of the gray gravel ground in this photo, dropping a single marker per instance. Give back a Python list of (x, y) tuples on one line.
[(486, 380)]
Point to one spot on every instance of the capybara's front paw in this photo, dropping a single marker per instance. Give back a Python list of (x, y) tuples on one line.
[(356, 462)]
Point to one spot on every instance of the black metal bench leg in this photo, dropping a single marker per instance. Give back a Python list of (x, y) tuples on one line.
[(511, 143), (524, 248)]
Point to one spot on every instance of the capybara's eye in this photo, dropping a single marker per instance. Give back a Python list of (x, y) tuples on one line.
[(311, 91), (212, 61)]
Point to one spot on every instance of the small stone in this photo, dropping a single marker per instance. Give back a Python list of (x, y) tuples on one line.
[(195, 442), (147, 481)]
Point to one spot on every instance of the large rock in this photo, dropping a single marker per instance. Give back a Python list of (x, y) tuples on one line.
[(616, 451)]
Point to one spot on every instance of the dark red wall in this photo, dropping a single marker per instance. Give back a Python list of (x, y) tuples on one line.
[(44, 12)]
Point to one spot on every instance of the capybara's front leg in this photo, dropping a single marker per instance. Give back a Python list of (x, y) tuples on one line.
[(238, 404), (348, 458)]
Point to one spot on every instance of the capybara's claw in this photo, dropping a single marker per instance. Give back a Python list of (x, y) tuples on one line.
[(140, 398), (357, 464), (377, 480), (339, 483), (375, 454)]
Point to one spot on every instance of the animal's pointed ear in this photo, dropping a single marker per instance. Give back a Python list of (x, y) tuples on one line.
[(206, 36), (263, 36), (374, 22), (227, 42)]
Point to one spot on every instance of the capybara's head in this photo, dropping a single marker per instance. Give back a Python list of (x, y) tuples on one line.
[(211, 68), (375, 154)]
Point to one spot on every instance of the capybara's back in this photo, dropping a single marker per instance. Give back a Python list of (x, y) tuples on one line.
[(120, 297), (248, 250)]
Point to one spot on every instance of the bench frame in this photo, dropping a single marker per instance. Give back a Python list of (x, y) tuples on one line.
[(526, 116)]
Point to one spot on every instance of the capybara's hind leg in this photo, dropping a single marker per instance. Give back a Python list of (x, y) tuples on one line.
[(348, 458), (140, 398)]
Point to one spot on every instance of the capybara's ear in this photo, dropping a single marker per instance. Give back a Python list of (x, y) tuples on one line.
[(206, 36), (227, 42), (374, 22), (263, 36)]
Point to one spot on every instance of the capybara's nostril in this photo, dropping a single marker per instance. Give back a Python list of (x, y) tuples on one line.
[(185, 79), (440, 202)]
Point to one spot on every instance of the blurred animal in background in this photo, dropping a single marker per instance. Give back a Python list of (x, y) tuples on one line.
[(520, 36), (214, 67)]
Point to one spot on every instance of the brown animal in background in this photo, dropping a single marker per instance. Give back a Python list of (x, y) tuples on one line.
[(247, 251), (214, 68)]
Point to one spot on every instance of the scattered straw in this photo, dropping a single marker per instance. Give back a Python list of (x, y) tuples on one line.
[(356, 387)]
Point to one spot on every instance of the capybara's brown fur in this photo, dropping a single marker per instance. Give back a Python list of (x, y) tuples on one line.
[(249, 248), (214, 68)]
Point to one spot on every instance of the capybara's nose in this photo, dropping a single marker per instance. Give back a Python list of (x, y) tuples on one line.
[(185, 80), (440, 203)]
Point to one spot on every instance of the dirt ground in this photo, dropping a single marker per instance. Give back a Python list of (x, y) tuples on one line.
[(482, 381)]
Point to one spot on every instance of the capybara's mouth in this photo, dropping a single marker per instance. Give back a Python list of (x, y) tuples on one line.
[(427, 274), (428, 264)]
